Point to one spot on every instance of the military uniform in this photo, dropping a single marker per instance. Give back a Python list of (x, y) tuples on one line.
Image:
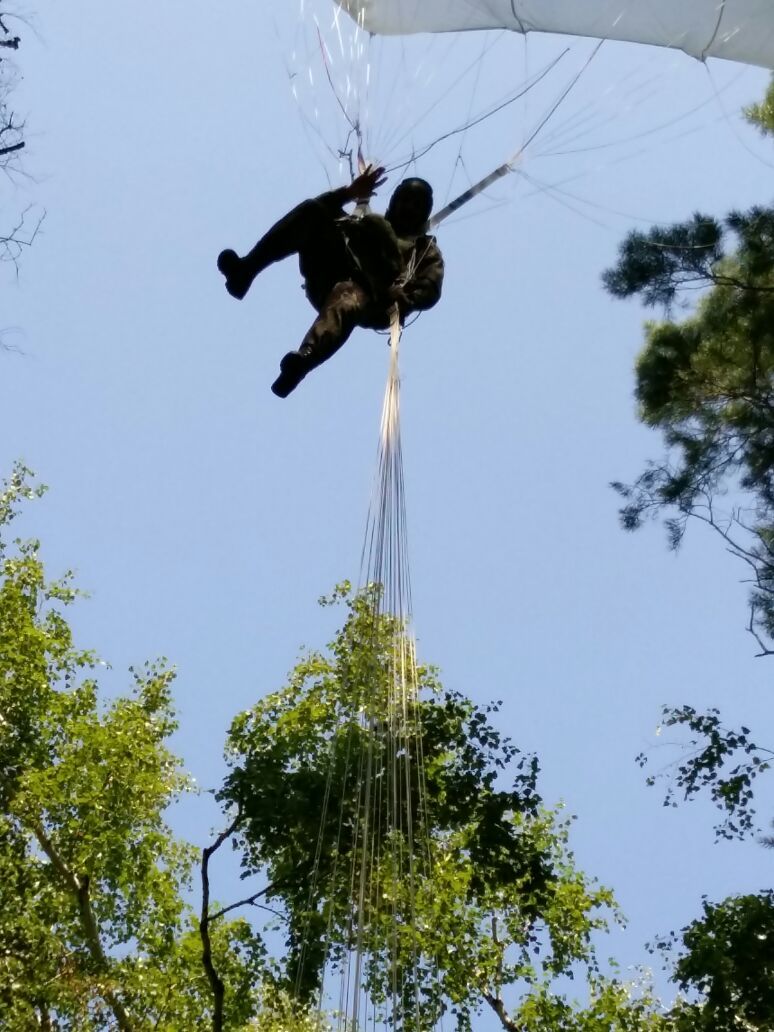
[(349, 265)]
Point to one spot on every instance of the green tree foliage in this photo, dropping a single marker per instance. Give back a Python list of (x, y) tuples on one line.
[(762, 115), (279, 1012), (94, 932), (496, 909), (727, 957)]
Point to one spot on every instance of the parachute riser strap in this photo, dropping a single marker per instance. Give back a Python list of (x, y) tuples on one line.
[(473, 191)]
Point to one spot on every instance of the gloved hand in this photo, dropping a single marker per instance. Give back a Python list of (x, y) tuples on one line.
[(365, 185)]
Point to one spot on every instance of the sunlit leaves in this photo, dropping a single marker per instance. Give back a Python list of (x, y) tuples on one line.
[(94, 930), (762, 115)]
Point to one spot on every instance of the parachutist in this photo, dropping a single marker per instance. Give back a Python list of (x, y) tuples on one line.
[(355, 269)]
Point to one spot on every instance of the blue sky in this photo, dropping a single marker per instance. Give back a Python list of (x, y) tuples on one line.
[(205, 516)]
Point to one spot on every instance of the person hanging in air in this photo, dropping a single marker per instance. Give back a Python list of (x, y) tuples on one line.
[(355, 269)]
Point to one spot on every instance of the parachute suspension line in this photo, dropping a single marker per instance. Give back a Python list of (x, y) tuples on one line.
[(668, 124), (560, 147), (459, 161), (566, 199), (385, 564), (386, 567), (383, 811), (562, 96), (363, 881), (310, 127), (509, 166), (314, 881), (555, 192), (488, 113), (354, 124), (405, 132), (403, 714), (630, 91)]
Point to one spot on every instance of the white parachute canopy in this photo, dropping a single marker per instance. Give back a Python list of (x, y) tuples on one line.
[(738, 30)]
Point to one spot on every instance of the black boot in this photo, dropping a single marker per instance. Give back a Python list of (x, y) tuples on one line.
[(234, 268), (293, 368)]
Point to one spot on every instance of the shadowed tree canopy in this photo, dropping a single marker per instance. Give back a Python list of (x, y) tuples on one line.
[(726, 955)]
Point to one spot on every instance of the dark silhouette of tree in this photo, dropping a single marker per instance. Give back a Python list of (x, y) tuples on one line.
[(726, 955), (707, 383)]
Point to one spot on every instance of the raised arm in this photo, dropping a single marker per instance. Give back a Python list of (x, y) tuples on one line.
[(361, 189)]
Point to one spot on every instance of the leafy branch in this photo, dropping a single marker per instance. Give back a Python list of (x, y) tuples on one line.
[(716, 760)]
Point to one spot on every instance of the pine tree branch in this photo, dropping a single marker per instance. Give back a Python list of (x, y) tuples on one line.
[(78, 885)]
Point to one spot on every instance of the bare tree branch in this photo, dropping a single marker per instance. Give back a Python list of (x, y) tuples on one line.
[(12, 143), (249, 901), (216, 982), (13, 243)]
